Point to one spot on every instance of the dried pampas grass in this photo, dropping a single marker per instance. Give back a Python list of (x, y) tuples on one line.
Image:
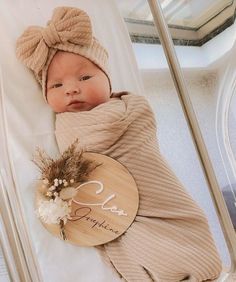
[(59, 176), (70, 165)]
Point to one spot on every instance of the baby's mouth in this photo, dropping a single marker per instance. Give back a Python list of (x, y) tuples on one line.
[(75, 102)]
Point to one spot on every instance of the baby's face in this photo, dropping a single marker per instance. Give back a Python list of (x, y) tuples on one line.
[(75, 84)]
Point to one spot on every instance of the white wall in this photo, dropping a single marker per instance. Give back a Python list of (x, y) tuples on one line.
[(152, 56)]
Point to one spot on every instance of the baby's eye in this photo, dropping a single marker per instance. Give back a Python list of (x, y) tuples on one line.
[(85, 77), (56, 85)]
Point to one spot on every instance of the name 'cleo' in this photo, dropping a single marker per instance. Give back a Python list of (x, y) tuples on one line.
[(103, 205)]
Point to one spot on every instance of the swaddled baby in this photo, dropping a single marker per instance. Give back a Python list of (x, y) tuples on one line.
[(169, 239)]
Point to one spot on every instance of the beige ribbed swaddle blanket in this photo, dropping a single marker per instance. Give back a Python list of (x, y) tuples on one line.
[(170, 238)]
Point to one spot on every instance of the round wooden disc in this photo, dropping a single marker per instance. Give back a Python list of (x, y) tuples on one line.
[(100, 214)]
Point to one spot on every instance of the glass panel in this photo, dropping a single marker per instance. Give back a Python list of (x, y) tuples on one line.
[(228, 132), (191, 22), (175, 140), (230, 190), (4, 277), (232, 124), (184, 13), (202, 82), (210, 87)]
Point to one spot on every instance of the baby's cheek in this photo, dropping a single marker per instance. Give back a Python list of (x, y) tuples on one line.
[(50, 100), (54, 102)]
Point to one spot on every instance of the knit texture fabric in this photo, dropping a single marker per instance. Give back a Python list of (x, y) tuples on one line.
[(69, 30), (169, 239)]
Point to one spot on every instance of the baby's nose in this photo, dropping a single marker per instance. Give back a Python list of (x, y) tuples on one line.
[(73, 89), (72, 92)]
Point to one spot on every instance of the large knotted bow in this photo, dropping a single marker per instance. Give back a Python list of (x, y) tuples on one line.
[(67, 25)]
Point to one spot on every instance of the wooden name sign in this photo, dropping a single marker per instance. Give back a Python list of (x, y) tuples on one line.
[(103, 208)]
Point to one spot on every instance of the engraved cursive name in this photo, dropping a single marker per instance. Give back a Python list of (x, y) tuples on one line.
[(83, 213), (103, 205)]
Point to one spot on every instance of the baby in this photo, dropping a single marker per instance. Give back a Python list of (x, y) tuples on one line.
[(169, 239), (75, 84)]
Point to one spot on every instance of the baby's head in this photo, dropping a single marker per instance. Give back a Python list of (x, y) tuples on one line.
[(75, 84), (68, 61)]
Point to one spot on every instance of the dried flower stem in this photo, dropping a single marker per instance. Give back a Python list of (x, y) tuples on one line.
[(69, 169)]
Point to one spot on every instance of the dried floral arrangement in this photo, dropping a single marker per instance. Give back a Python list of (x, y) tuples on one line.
[(59, 178)]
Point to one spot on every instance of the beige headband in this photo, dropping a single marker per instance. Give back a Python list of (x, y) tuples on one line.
[(69, 30)]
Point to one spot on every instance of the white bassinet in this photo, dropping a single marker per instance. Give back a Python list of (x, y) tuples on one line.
[(30, 123)]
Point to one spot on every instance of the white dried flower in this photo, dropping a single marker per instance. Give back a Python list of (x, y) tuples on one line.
[(51, 212), (72, 181), (45, 181), (52, 188), (55, 194), (49, 194), (67, 193), (65, 184)]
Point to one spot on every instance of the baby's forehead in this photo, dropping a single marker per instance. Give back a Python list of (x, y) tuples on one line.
[(64, 62), (70, 58)]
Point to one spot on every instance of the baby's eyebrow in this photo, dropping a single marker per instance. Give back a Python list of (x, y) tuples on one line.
[(84, 66), (54, 79), (82, 69)]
